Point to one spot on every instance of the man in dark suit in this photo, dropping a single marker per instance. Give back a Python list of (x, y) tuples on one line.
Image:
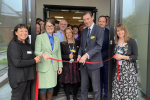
[(102, 20), (90, 50)]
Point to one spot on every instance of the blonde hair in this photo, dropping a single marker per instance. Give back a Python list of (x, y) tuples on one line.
[(126, 35), (66, 41)]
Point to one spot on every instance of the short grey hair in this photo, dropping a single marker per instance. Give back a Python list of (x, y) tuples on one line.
[(63, 20)]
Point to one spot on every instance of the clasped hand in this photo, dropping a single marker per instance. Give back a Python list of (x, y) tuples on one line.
[(82, 59), (118, 57)]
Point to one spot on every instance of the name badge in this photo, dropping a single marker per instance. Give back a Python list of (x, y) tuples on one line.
[(120, 52), (29, 52)]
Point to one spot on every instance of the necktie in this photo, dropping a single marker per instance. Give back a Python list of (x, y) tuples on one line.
[(88, 34)]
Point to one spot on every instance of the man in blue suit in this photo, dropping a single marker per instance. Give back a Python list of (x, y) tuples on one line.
[(90, 50), (102, 20)]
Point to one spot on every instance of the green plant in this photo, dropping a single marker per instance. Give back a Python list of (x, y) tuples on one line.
[(3, 61), (3, 48)]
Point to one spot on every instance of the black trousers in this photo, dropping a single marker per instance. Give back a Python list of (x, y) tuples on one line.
[(95, 78), (56, 88), (20, 92)]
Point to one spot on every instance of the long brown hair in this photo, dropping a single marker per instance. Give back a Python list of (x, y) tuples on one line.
[(126, 35), (66, 41)]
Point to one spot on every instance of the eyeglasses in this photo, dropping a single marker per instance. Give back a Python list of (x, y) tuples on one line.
[(50, 26), (63, 24)]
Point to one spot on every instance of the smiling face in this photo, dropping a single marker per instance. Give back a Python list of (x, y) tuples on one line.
[(69, 34), (42, 25), (63, 25), (75, 30), (22, 34), (49, 28), (120, 33), (37, 29), (88, 20), (102, 22)]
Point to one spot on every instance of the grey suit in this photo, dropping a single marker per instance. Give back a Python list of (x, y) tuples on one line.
[(93, 49)]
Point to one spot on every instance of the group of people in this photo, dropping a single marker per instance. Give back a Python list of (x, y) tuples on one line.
[(72, 43)]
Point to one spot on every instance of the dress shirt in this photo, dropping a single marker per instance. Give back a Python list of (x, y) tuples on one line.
[(108, 27), (60, 35), (51, 39), (89, 36)]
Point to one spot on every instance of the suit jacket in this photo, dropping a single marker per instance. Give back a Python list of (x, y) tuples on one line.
[(105, 45), (93, 47), (42, 44)]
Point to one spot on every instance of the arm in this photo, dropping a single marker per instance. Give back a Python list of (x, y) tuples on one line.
[(16, 57), (59, 54), (134, 49), (66, 57), (38, 46), (99, 42), (133, 57)]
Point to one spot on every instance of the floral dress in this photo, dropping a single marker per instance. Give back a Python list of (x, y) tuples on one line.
[(126, 88)]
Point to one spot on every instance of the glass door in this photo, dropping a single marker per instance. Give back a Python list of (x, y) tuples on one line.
[(10, 15)]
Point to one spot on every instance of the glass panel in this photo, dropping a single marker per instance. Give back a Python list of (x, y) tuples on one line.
[(136, 18), (10, 16)]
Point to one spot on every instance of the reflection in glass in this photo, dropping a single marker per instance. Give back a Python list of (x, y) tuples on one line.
[(10, 16), (135, 17)]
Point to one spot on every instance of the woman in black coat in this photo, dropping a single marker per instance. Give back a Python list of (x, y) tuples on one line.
[(21, 63), (70, 72), (125, 87)]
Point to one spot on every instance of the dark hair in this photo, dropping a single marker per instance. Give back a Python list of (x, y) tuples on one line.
[(40, 27), (70, 25), (16, 29), (87, 12), (57, 22), (80, 25), (75, 26), (103, 16), (107, 16), (38, 19), (29, 30)]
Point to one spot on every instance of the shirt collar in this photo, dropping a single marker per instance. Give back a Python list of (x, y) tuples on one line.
[(50, 36), (91, 26)]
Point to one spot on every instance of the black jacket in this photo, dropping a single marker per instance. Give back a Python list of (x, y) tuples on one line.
[(132, 53), (105, 46), (21, 63), (65, 51)]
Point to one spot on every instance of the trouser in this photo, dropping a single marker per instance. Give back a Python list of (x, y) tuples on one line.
[(67, 90), (95, 78), (20, 92), (104, 79)]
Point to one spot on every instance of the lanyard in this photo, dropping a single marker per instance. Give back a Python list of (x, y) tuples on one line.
[(61, 34), (70, 47), (120, 44)]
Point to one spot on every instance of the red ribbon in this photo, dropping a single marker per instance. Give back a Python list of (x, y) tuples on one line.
[(118, 69), (37, 78), (37, 85), (85, 61)]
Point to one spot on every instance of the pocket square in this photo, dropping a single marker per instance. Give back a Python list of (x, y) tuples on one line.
[(92, 37)]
